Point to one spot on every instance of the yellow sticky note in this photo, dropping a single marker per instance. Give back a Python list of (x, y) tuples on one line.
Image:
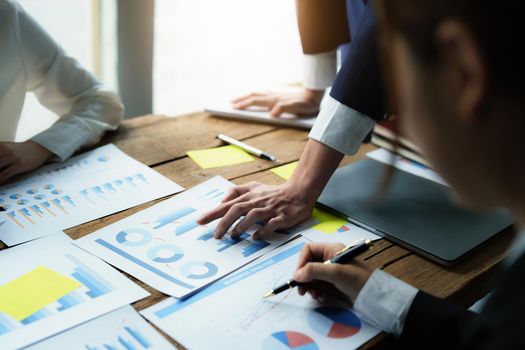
[(25, 295), (328, 223), (285, 171), (219, 156)]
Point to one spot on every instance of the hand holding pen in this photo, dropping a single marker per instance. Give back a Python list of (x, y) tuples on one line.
[(329, 263)]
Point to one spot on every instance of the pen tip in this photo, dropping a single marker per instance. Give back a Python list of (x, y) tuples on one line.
[(269, 294)]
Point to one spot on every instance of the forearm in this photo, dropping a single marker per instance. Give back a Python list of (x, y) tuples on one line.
[(317, 164), (90, 117)]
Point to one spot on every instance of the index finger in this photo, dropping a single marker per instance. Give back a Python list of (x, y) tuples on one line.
[(308, 253), (214, 214), (220, 210), (247, 96), (317, 252), (7, 173)]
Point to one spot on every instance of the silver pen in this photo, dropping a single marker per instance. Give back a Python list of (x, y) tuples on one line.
[(248, 148)]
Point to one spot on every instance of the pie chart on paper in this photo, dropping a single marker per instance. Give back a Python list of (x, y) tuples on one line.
[(286, 340), (334, 322)]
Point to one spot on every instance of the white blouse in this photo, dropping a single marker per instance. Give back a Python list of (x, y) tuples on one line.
[(30, 60)]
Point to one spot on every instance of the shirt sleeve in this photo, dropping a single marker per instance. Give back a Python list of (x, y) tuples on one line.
[(86, 108), (384, 302), (341, 127), (319, 70)]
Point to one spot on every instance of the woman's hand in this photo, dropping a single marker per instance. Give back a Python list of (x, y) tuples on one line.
[(303, 103), (279, 207), (21, 157), (324, 280)]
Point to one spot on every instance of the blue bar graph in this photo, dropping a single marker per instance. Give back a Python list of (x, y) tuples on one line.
[(144, 265), (127, 339), (130, 181), (125, 344), (95, 290), (138, 336), (40, 314), (108, 186), (6, 325), (99, 192), (212, 194), (141, 177), (230, 242), (209, 193), (206, 236), (69, 200), (169, 218), (85, 194), (69, 300), (219, 194), (120, 185), (37, 209), (97, 285), (254, 248), (186, 227)]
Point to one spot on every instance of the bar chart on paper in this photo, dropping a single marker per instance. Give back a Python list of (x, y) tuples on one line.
[(165, 247), (285, 321), (54, 286), (86, 187), (122, 329)]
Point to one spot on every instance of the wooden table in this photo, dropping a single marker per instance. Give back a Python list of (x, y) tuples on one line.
[(162, 142)]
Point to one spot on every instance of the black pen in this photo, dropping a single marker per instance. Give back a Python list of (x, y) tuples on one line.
[(343, 256)]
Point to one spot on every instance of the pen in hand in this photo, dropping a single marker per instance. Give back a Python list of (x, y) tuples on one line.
[(344, 256)]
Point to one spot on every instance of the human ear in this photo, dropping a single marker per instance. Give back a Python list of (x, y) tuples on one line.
[(461, 53)]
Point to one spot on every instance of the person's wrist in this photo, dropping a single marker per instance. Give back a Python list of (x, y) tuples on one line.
[(314, 96), (302, 191), (41, 151)]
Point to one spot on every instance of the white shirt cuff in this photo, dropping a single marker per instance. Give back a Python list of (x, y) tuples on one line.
[(340, 127), (63, 138), (319, 70), (384, 302)]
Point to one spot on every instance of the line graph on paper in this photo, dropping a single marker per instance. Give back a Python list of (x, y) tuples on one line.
[(265, 306)]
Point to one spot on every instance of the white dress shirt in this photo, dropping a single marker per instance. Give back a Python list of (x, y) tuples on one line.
[(384, 301), (337, 125), (32, 61)]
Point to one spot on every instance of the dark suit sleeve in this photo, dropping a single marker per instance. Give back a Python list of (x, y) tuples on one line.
[(358, 84), (434, 323)]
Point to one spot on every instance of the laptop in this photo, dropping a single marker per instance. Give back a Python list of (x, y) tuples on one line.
[(262, 116), (416, 213)]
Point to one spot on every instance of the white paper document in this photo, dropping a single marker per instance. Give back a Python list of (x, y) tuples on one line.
[(164, 247), (231, 314), (384, 156), (123, 329), (49, 285), (84, 188)]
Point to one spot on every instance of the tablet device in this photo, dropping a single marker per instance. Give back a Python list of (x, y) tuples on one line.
[(414, 212), (262, 116)]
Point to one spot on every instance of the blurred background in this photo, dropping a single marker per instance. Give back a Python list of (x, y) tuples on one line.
[(172, 56)]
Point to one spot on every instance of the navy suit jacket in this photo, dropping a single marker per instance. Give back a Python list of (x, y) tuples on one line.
[(359, 84)]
